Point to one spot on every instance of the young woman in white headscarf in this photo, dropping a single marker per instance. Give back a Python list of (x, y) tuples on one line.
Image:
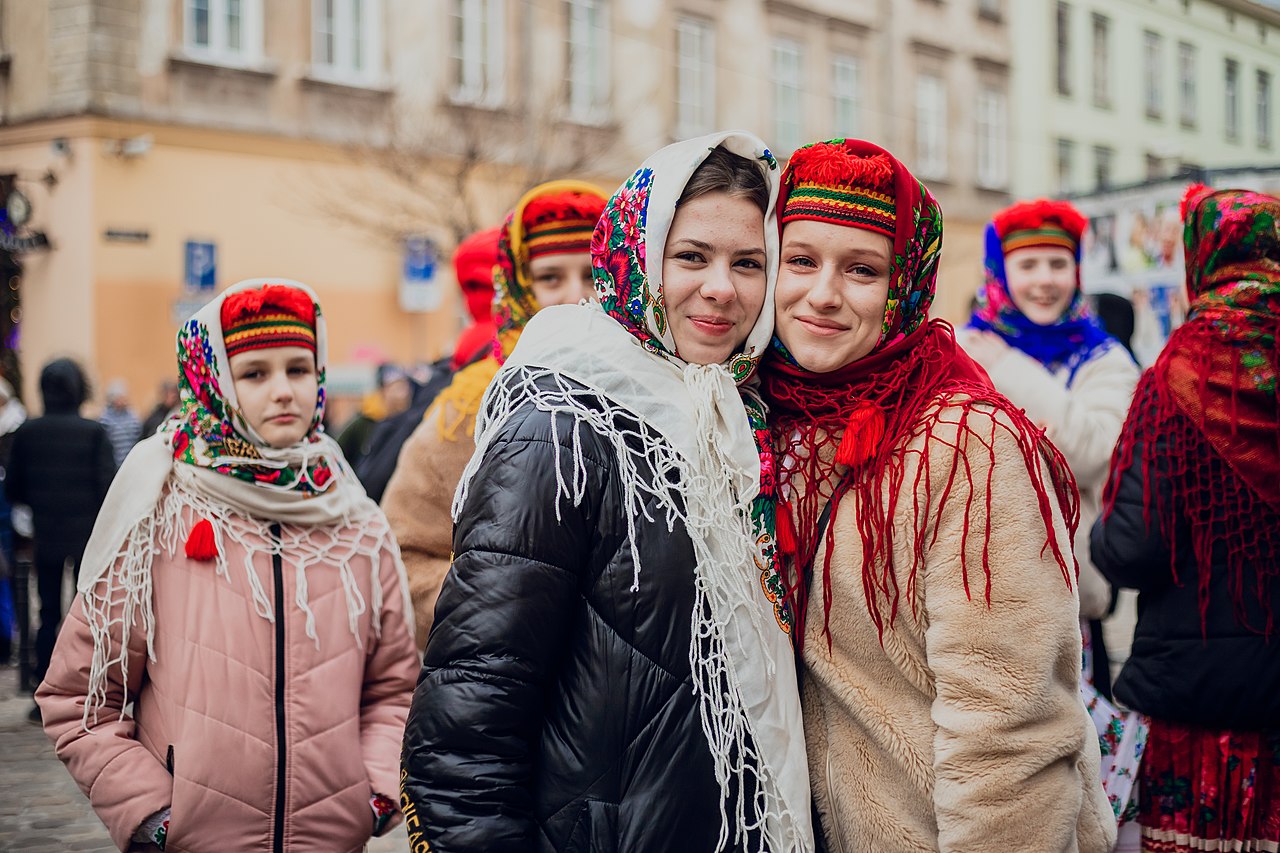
[(606, 671), (236, 670)]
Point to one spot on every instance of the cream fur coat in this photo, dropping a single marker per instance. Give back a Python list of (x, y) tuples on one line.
[(964, 729)]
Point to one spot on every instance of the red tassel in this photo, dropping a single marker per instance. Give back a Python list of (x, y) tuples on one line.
[(861, 435), (786, 530), (200, 543)]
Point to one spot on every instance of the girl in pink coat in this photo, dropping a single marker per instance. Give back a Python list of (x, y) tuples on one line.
[(236, 671)]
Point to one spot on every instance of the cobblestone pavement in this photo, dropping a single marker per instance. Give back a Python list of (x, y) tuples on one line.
[(41, 809)]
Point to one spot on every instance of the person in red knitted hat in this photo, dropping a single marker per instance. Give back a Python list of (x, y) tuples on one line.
[(925, 524), (244, 598), (473, 265), (543, 259)]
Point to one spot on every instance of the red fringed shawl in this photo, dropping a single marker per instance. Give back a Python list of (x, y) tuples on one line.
[(844, 435), (1210, 402)]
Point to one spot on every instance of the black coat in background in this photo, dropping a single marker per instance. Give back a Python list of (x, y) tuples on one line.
[(375, 467), (555, 710), (1222, 675), (60, 464)]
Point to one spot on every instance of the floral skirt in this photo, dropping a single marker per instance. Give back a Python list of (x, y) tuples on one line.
[(1203, 789)]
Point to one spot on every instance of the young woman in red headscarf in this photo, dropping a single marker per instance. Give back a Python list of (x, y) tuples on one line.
[(928, 526), (1191, 519)]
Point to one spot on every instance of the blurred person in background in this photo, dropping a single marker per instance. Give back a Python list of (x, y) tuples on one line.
[(123, 426), (242, 598), (544, 259), (12, 416), (61, 466), (392, 395), (166, 405), (473, 265), (1191, 519), (1034, 333)]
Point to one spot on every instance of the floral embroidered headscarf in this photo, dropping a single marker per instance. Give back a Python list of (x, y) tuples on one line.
[(551, 218), (1211, 398), (210, 431), (628, 244)]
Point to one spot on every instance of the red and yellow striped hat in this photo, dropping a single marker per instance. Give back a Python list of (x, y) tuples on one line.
[(830, 183), (560, 222), (271, 316), (1040, 223)]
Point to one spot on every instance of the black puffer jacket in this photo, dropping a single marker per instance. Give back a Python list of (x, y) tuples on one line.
[(1225, 676), (61, 464), (555, 710)]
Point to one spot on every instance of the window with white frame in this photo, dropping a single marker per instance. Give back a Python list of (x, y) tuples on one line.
[(1101, 61), (993, 138), (1062, 47), (1152, 76), (1066, 166), (1264, 109), (1103, 160), (787, 94), (1231, 99), (346, 39), (931, 126), (226, 31), (695, 77), (1187, 97), (846, 95), (479, 52), (588, 61)]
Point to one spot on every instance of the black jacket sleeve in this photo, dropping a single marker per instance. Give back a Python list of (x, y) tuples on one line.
[(502, 623), (1123, 547)]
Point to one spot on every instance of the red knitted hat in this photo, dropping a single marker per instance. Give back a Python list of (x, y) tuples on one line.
[(560, 222), (269, 316), (832, 184), (473, 265), (1040, 223)]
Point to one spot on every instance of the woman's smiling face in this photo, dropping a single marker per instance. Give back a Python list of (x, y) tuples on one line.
[(833, 286), (713, 275)]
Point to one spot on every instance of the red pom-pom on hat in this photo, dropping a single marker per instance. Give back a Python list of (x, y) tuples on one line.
[(201, 543), (833, 164), (1039, 214), (1191, 199), (246, 304)]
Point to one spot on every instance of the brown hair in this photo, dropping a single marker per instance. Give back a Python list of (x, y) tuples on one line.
[(726, 172)]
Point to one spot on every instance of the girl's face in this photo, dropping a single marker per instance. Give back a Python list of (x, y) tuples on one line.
[(563, 279), (713, 275), (1042, 282), (833, 286), (277, 389)]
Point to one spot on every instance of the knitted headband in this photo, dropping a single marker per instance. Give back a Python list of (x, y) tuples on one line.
[(271, 316), (830, 183), (560, 222), (1039, 224)]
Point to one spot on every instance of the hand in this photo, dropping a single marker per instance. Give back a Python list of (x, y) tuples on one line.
[(986, 348)]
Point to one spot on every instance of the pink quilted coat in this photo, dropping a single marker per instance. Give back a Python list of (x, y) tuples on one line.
[(257, 736)]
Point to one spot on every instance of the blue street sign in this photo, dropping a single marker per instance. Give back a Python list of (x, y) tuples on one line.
[(201, 265)]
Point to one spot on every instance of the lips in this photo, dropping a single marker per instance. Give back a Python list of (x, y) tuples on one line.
[(821, 326), (712, 325), (282, 419)]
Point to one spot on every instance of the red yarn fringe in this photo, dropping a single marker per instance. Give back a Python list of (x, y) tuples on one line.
[(1210, 456), (813, 416), (201, 544)]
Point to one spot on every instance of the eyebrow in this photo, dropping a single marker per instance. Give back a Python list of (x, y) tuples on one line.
[(707, 247)]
